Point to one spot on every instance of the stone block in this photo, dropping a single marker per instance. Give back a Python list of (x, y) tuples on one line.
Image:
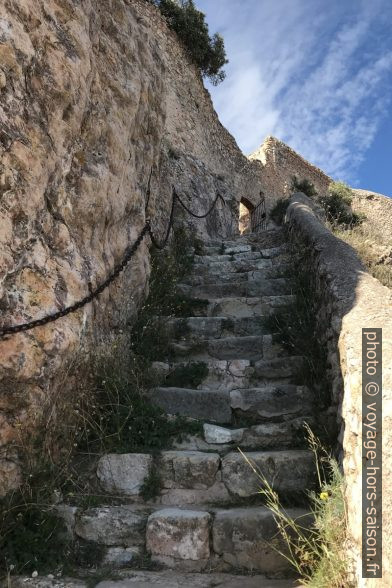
[(181, 534), (288, 472), (124, 473), (112, 525), (189, 469)]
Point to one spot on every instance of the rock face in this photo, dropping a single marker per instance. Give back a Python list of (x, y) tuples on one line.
[(94, 98)]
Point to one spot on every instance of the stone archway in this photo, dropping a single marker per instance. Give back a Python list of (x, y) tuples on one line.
[(246, 209)]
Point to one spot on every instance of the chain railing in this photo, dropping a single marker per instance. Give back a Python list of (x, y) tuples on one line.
[(129, 253), (258, 219)]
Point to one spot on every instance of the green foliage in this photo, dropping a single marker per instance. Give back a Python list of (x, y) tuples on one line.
[(126, 421), (189, 375), (295, 325), (278, 212), (152, 485), (304, 186), (31, 536), (337, 205), (208, 53)]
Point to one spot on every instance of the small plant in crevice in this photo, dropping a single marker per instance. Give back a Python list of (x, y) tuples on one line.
[(295, 327), (305, 186), (278, 211), (189, 375), (152, 485)]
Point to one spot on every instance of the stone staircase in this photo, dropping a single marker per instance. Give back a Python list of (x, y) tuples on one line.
[(209, 517)]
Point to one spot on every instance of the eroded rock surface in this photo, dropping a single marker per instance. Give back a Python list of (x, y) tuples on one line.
[(95, 98)]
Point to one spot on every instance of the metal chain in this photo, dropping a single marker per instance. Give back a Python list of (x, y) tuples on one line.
[(129, 253)]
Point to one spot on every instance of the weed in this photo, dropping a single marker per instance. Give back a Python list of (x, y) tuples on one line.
[(198, 246), (189, 375), (278, 212), (172, 154), (32, 536), (315, 544), (295, 325), (304, 186), (152, 485), (125, 420), (181, 329)]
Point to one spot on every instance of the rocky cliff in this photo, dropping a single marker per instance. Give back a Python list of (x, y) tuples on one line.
[(95, 97)]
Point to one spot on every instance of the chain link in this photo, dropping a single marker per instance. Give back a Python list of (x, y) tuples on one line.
[(129, 253)]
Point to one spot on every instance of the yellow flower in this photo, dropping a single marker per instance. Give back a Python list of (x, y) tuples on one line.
[(324, 495)]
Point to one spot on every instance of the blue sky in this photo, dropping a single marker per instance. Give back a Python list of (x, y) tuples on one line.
[(317, 74)]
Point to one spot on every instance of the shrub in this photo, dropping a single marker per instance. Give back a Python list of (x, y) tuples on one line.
[(208, 53), (304, 186), (337, 205), (278, 212)]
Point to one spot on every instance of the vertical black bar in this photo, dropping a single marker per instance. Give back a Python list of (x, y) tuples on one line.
[(372, 453)]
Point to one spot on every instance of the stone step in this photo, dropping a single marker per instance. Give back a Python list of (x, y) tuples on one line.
[(187, 539), (112, 526), (147, 579), (225, 256), (227, 248), (196, 328), (290, 473), (238, 538), (265, 436), (263, 287), (268, 250), (234, 265), (227, 274), (239, 373), (170, 579), (251, 347), (195, 477), (248, 538), (272, 403), (269, 403), (243, 307), (211, 405), (269, 238)]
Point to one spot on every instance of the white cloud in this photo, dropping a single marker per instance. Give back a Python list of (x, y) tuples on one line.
[(317, 75)]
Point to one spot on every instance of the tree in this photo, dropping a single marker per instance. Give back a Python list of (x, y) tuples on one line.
[(208, 53)]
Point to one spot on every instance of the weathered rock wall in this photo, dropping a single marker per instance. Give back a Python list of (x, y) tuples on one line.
[(378, 212), (93, 96), (351, 300), (279, 164)]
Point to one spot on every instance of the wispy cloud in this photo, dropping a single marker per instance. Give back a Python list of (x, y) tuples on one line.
[(316, 75)]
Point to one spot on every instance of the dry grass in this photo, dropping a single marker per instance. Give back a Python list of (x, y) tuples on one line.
[(365, 241), (317, 551)]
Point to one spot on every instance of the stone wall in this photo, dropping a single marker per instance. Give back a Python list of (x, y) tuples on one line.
[(279, 164), (94, 96), (351, 300)]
